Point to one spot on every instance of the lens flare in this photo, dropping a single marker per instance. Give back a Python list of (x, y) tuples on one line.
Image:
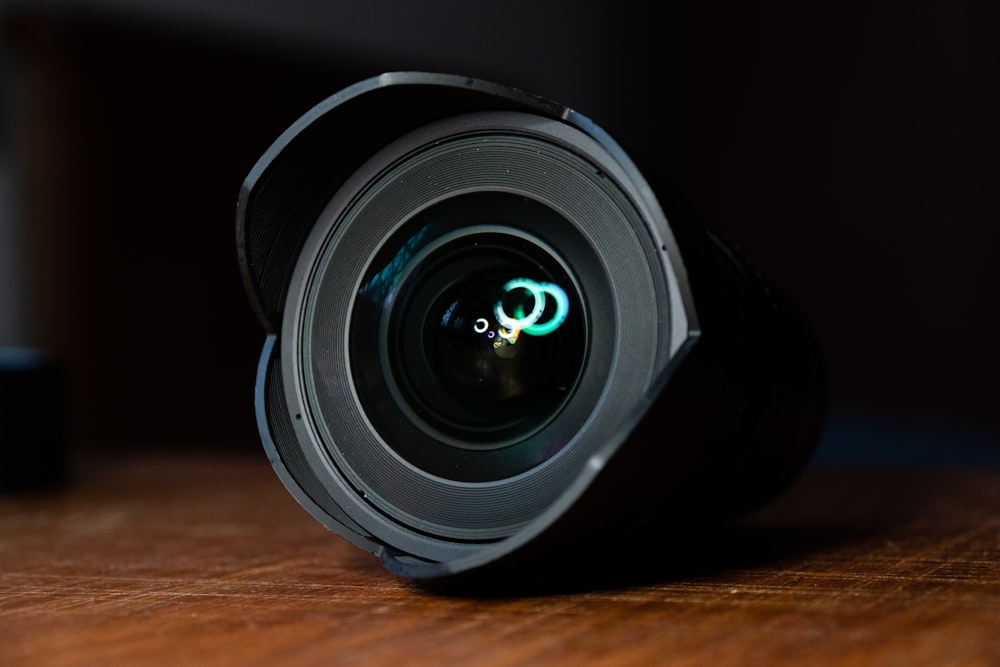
[(530, 323)]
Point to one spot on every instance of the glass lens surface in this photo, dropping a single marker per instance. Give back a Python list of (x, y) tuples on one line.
[(475, 334)]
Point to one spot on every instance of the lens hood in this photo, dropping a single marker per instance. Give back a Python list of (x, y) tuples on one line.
[(497, 341)]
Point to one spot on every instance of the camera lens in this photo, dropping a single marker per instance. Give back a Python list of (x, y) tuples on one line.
[(475, 334), (456, 320), (483, 348)]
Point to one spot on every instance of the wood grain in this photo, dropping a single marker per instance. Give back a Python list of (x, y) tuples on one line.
[(208, 561)]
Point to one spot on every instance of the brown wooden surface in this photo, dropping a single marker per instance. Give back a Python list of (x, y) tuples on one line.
[(209, 561)]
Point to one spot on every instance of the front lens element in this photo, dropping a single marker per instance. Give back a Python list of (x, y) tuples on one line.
[(468, 332), (472, 352)]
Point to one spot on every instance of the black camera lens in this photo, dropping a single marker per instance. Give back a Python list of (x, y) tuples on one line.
[(491, 338)]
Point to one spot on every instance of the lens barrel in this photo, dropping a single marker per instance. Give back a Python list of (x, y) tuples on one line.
[(492, 339)]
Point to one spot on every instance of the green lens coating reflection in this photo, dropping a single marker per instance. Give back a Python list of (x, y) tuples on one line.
[(529, 323)]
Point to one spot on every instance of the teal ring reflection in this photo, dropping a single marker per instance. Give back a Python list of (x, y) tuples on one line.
[(529, 323)]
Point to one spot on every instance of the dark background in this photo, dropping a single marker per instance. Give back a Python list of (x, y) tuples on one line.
[(851, 148)]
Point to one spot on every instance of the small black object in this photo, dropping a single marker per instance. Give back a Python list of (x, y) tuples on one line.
[(33, 421), (495, 343)]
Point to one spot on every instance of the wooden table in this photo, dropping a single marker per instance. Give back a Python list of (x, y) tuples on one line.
[(192, 560)]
